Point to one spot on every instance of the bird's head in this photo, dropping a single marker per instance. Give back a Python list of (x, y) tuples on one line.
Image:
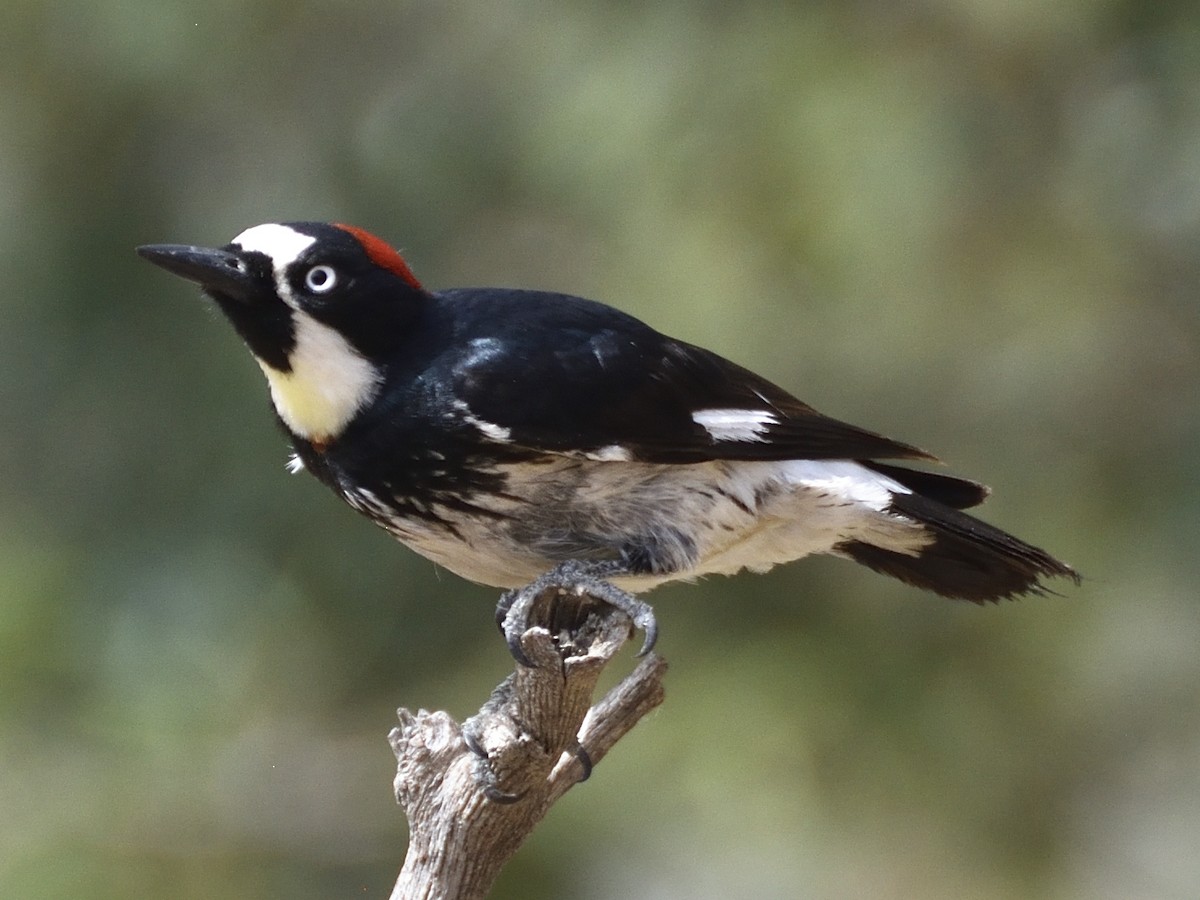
[(321, 306)]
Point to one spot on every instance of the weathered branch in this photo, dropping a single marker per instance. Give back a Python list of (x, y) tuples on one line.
[(474, 793)]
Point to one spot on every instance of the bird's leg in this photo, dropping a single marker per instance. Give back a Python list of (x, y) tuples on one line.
[(577, 578)]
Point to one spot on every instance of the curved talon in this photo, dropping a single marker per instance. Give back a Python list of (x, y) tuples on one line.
[(512, 618), (639, 612), (585, 761), (507, 599), (496, 795), (513, 639), (649, 626), (515, 606), (489, 788), (473, 744)]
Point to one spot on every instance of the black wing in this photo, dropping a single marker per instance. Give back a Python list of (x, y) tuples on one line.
[(569, 375)]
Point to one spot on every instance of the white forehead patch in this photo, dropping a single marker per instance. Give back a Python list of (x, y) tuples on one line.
[(735, 424), (281, 244)]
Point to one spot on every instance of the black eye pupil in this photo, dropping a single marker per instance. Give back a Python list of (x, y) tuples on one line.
[(320, 278)]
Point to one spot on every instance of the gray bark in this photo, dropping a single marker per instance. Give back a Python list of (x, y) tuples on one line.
[(468, 813)]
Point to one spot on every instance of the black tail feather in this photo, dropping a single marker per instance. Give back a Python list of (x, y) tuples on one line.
[(967, 559), (959, 493)]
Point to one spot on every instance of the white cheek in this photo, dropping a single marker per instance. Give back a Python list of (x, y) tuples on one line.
[(329, 382)]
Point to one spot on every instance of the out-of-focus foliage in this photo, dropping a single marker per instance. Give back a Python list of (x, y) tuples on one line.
[(972, 224)]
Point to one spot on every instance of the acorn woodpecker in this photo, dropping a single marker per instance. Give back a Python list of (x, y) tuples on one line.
[(529, 440)]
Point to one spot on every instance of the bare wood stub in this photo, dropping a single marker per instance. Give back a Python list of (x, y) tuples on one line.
[(473, 793)]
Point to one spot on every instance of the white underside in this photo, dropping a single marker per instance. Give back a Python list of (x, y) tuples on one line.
[(770, 513)]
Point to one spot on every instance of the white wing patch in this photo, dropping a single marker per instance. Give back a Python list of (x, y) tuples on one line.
[(497, 433), (844, 479), (748, 425), (610, 453)]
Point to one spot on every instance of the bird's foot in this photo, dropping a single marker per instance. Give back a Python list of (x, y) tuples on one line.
[(573, 579), (485, 775)]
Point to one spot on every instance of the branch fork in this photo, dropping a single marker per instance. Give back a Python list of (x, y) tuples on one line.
[(473, 793)]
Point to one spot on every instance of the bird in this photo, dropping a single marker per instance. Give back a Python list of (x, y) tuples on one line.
[(530, 440)]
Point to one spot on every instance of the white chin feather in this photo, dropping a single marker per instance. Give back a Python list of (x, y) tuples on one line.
[(329, 382)]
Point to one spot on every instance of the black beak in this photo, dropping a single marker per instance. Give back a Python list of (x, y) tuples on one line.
[(220, 271)]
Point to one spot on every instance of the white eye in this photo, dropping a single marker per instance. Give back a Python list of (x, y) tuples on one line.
[(320, 279)]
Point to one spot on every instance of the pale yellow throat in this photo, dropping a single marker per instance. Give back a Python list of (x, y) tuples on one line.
[(329, 383)]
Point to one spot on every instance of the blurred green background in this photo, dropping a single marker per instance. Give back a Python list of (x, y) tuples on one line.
[(970, 224)]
